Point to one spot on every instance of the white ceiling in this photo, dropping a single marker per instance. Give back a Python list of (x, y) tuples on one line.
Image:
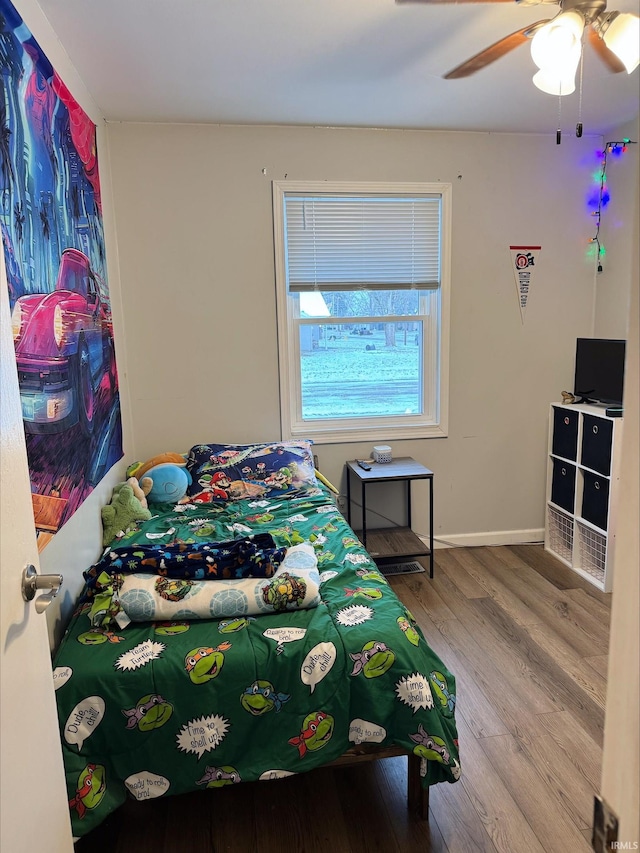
[(356, 63)]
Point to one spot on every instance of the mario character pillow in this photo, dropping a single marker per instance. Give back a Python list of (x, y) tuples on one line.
[(229, 472)]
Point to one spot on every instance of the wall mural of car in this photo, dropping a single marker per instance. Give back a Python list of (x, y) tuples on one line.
[(64, 349)]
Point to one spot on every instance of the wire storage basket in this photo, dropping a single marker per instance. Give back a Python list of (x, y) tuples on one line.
[(560, 533), (592, 552)]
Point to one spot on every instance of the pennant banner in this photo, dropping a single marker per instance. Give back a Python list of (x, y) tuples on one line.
[(523, 261)]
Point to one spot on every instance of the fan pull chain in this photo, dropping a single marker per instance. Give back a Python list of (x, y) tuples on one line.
[(559, 131), (579, 124)]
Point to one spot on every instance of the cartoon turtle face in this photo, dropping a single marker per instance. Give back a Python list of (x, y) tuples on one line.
[(374, 659), (431, 747), (167, 629), (230, 626), (409, 631), (261, 697), (205, 663), (441, 689), (151, 712), (173, 590), (315, 733), (284, 590), (91, 786), (92, 638), (321, 727), (217, 777)]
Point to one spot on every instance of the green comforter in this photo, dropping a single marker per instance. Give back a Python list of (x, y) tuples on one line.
[(163, 708)]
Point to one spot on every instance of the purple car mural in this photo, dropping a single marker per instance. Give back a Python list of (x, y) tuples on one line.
[(64, 349)]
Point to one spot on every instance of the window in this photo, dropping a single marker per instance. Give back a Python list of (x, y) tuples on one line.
[(362, 276)]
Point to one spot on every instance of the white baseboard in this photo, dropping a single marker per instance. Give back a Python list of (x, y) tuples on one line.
[(499, 537)]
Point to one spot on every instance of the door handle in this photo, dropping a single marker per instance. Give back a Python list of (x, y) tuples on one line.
[(32, 582)]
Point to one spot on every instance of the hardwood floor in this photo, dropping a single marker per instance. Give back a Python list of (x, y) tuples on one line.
[(527, 641)]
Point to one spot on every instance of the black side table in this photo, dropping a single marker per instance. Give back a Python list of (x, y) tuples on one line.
[(389, 544)]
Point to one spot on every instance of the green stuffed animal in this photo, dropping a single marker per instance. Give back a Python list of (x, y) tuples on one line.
[(121, 514)]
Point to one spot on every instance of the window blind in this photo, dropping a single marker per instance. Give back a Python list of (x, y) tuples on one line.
[(362, 242)]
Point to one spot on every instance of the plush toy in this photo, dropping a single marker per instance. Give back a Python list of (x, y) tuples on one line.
[(138, 491), (163, 478), (121, 514), (139, 469), (166, 483)]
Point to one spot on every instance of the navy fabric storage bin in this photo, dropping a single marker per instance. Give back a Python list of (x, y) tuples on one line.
[(565, 433), (563, 484), (595, 499), (597, 435)]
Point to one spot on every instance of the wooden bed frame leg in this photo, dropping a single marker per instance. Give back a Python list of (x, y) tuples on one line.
[(417, 796)]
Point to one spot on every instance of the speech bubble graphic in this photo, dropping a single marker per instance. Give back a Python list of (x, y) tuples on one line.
[(139, 655), (202, 735), (61, 674), (275, 774), (146, 785), (356, 614), (317, 664), (326, 576), (284, 635), (84, 720), (361, 731), (415, 692)]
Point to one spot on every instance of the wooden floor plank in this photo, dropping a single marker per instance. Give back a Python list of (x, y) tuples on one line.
[(570, 762), (527, 643), (368, 831), (546, 673), (500, 638), (547, 566), (495, 685), (446, 560), (600, 663), (411, 832), (468, 558), (552, 606), (536, 800), (432, 603), (586, 677), (489, 789), (462, 828)]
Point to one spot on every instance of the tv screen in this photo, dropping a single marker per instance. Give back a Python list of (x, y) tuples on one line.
[(599, 376)]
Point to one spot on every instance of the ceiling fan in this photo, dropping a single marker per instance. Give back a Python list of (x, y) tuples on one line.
[(613, 36)]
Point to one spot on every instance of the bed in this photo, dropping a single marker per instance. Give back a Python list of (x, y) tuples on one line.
[(243, 634)]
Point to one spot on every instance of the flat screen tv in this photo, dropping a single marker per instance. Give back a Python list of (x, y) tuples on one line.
[(599, 376)]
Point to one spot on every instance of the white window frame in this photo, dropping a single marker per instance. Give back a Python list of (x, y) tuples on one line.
[(435, 346)]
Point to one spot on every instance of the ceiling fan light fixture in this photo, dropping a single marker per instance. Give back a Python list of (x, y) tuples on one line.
[(621, 34), (554, 84), (556, 47)]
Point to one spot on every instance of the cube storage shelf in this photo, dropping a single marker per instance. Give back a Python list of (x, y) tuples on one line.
[(583, 472)]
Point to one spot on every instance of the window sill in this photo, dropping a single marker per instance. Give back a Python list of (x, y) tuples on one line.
[(375, 434)]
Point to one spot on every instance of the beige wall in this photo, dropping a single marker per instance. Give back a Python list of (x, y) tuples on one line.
[(79, 542), (193, 209), (621, 761), (612, 284)]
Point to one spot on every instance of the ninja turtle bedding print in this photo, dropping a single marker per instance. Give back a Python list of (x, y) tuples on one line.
[(164, 707)]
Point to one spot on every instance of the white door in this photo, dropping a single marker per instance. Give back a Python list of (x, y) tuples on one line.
[(34, 811)]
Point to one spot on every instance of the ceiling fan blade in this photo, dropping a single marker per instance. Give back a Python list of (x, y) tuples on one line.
[(433, 2), (490, 54), (453, 1), (607, 56)]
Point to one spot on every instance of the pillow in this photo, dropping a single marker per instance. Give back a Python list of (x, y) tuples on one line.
[(230, 472)]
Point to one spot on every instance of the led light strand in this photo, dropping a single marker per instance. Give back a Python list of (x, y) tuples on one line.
[(601, 196)]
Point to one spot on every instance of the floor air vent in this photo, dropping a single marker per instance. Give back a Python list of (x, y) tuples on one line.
[(409, 568)]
